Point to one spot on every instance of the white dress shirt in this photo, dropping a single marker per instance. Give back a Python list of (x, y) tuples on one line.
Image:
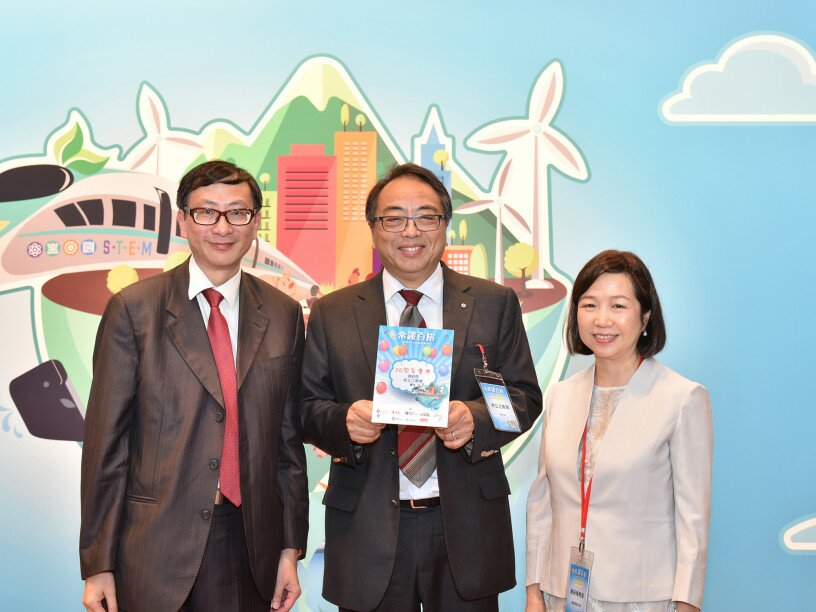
[(430, 307), (229, 305)]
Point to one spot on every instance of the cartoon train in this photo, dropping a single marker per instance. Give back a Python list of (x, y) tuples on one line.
[(112, 219)]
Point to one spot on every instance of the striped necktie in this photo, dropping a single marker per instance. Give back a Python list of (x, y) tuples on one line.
[(415, 444)]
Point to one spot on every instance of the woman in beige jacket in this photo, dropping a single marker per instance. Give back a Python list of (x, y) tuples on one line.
[(647, 456)]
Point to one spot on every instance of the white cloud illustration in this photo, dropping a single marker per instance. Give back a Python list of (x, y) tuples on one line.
[(764, 78), (800, 536)]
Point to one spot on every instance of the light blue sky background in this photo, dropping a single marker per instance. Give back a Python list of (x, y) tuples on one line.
[(723, 215)]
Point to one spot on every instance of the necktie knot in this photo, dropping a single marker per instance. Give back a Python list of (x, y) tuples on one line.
[(213, 297), (411, 296)]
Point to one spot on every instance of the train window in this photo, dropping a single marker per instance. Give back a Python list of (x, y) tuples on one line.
[(124, 212), (94, 211), (149, 217), (69, 215)]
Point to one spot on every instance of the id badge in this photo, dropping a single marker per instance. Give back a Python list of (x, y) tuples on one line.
[(498, 401), (580, 567)]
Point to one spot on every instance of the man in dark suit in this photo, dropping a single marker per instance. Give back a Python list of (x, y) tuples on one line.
[(194, 490), (421, 519)]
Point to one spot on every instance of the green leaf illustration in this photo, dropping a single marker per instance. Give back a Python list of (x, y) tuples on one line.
[(88, 162), (62, 141), (74, 145)]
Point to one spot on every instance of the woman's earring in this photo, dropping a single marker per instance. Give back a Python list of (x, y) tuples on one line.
[(645, 333)]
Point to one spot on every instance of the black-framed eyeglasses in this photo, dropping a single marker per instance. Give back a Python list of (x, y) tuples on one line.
[(211, 216), (397, 223)]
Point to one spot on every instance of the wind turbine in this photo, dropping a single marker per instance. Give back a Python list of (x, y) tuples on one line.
[(496, 205), (536, 145), (159, 141)]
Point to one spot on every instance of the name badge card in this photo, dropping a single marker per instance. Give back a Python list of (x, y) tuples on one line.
[(412, 381), (580, 567), (498, 401)]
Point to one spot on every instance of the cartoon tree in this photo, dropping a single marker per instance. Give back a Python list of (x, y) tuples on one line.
[(520, 258), (462, 231), (344, 115), (441, 157), (265, 179), (360, 120), (451, 236)]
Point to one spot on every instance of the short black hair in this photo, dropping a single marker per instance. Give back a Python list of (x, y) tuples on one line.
[(412, 171), (214, 172), (619, 262)]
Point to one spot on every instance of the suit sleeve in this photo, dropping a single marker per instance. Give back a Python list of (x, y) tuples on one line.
[(539, 516), (291, 476), (691, 452), (322, 418), (514, 362), (105, 449)]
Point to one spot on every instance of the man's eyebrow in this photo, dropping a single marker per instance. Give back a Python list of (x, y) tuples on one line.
[(425, 209), (214, 204)]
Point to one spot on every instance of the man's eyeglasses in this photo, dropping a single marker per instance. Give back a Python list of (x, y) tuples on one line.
[(423, 223), (211, 216)]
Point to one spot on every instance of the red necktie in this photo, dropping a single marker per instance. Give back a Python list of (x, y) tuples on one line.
[(217, 330), (415, 444)]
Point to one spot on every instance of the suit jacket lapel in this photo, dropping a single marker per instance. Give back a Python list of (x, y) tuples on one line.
[(252, 324), (188, 332), (369, 314), (457, 308), (583, 396)]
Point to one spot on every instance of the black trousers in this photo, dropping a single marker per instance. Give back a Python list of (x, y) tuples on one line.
[(224, 582), (422, 578)]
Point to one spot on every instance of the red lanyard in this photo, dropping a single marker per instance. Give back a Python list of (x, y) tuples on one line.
[(585, 493)]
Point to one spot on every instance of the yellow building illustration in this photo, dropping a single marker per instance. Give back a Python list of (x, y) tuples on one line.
[(356, 154), (269, 217)]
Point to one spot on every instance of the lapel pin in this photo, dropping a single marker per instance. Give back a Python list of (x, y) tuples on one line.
[(464, 305)]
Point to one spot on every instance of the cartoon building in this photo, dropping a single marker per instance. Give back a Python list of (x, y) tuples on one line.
[(307, 199), (268, 229), (356, 154), (467, 259), (431, 147)]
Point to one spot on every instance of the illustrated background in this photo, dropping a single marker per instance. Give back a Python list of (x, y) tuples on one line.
[(722, 214)]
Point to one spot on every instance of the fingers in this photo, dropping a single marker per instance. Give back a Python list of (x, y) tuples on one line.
[(359, 425), (289, 599), (98, 589), (460, 426)]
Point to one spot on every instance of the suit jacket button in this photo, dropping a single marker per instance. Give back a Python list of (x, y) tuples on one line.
[(206, 514), (395, 503), (213, 464), (219, 416)]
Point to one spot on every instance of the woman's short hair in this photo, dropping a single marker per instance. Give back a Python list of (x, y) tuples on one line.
[(619, 262)]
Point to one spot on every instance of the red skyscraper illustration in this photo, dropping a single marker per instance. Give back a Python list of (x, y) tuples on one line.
[(307, 194)]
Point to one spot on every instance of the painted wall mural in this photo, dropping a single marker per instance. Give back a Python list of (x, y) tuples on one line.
[(81, 218)]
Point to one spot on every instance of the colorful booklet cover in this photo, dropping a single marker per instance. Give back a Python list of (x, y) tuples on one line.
[(412, 382)]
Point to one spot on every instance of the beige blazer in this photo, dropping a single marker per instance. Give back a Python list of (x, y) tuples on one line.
[(649, 510)]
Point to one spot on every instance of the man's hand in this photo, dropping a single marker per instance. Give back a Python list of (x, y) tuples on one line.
[(359, 425), (460, 426), (535, 599), (682, 606), (98, 588), (287, 587)]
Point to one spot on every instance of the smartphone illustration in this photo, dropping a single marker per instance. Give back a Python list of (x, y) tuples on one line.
[(48, 402)]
